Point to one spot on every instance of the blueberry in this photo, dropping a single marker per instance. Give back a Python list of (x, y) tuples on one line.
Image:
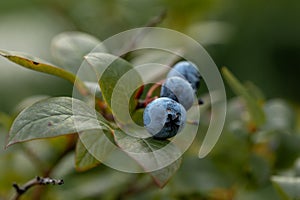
[(188, 71), (179, 90), (164, 118)]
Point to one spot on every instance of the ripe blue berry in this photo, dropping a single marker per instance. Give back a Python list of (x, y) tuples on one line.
[(164, 118), (179, 90), (187, 71)]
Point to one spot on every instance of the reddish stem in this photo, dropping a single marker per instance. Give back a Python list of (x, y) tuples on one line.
[(139, 92), (149, 96)]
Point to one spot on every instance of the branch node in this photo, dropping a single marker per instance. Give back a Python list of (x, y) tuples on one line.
[(36, 181), (18, 189)]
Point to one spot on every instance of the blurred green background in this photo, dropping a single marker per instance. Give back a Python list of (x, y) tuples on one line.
[(257, 40)]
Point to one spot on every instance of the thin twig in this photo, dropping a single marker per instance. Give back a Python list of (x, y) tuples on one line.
[(20, 190), (139, 92), (149, 98), (157, 19), (70, 146), (151, 23), (153, 88)]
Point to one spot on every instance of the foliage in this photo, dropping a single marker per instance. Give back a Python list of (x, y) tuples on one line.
[(257, 156)]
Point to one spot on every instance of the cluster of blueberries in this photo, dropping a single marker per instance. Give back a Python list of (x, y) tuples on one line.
[(165, 116)]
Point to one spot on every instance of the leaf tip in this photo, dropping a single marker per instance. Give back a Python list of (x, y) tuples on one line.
[(225, 70), (8, 144), (3, 53), (10, 140), (160, 184)]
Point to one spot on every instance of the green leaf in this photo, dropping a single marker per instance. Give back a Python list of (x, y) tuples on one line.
[(118, 81), (100, 144), (255, 109), (83, 159), (28, 102), (54, 117), (69, 49), (255, 91), (137, 117), (42, 66), (287, 187), (99, 147), (162, 176), (150, 154)]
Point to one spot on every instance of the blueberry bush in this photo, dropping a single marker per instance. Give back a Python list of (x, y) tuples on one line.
[(255, 144), (48, 144)]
